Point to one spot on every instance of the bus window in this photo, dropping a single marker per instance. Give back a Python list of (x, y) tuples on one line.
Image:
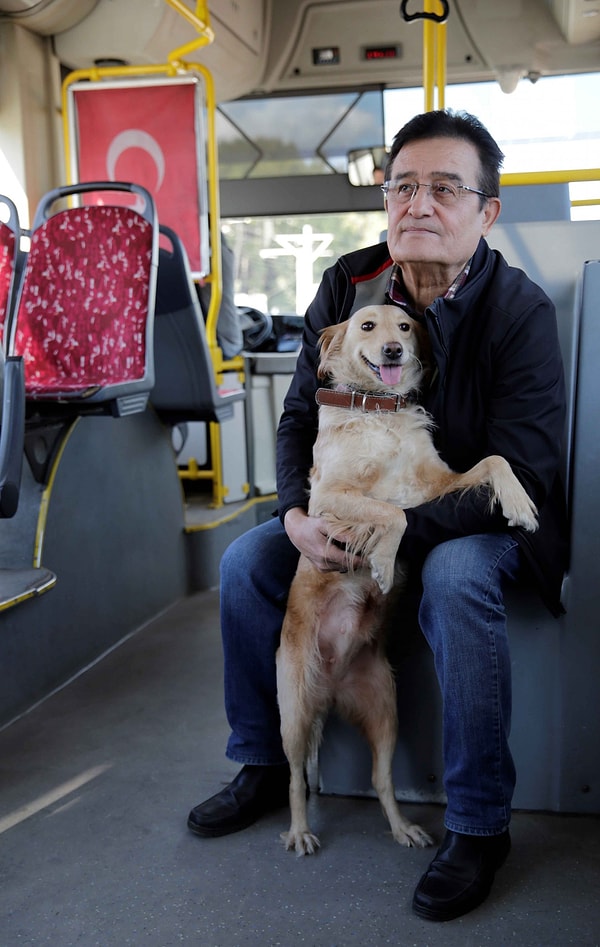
[(546, 124), (279, 261), (280, 155)]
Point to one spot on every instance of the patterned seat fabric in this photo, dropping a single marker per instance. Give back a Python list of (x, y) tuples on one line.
[(7, 265), (83, 309)]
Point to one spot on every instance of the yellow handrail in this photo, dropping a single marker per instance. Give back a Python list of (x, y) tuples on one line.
[(550, 177), (199, 20)]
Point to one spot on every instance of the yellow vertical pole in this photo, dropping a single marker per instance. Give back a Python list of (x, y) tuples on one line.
[(441, 64), (434, 59), (429, 59)]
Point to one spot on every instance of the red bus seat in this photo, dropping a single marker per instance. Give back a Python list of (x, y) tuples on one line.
[(84, 317), (13, 391), (9, 249)]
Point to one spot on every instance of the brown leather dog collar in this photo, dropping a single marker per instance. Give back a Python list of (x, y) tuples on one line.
[(363, 400)]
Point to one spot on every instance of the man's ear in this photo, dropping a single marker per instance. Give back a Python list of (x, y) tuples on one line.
[(491, 212)]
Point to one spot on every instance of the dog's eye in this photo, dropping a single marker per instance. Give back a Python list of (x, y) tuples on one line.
[(368, 326), (404, 327)]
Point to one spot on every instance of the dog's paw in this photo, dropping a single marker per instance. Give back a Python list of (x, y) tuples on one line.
[(411, 835), (383, 574), (303, 843), (517, 506), (523, 513), (418, 837), (527, 519)]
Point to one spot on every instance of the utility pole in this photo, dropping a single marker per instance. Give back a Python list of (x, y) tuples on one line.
[(306, 247)]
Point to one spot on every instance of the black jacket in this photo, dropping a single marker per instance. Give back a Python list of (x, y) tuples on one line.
[(499, 389)]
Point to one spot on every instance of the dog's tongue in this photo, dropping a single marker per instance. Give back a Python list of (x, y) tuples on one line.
[(390, 374)]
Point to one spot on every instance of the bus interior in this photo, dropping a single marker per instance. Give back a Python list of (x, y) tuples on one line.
[(226, 153)]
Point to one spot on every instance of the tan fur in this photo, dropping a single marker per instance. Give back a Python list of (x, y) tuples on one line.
[(368, 468)]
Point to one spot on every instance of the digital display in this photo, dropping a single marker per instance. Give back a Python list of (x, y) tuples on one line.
[(326, 56), (381, 52)]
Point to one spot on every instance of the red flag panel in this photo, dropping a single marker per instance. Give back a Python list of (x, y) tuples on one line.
[(148, 133)]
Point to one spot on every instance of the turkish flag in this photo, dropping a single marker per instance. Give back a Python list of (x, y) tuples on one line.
[(150, 133)]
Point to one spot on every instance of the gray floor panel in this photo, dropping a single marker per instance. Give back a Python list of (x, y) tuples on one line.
[(96, 784)]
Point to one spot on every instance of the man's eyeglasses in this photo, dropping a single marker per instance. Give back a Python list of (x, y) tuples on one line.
[(442, 192)]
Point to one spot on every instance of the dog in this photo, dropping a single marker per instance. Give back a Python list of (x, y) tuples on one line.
[(373, 458)]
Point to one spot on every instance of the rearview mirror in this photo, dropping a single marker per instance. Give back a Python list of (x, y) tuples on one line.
[(366, 166)]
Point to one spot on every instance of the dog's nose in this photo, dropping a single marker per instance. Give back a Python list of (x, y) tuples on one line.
[(392, 350)]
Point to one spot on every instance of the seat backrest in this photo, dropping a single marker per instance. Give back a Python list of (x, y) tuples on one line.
[(585, 444), (12, 436), (527, 202), (552, 254), (12, 421), (185, 387), (84, 317), (9, 249)]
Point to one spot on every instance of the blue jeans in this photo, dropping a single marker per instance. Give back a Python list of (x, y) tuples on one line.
[(463, 619)]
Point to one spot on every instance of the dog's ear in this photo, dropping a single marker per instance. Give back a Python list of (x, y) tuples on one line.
[(330, 344)]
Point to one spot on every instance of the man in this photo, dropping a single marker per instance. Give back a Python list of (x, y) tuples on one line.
[(497, 388)]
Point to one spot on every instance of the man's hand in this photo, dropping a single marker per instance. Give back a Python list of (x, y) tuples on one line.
[(310, 536)]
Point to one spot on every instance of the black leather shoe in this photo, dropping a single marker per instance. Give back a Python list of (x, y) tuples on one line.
[(460, 876), (255, 791)]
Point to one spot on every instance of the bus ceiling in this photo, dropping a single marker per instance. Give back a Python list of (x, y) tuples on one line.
[(266, 47)]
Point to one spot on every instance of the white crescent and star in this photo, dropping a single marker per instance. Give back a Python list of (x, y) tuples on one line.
[(135, 138)]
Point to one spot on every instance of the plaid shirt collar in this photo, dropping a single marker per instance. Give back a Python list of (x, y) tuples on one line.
[(397, 293)]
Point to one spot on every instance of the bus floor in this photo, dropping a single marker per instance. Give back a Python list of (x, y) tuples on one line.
[(96, 784)]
